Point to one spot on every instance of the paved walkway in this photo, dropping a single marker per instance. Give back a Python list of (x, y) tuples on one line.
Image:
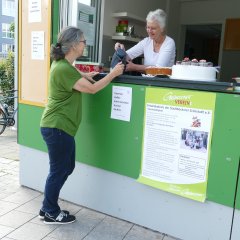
[(8, 144), (19, 207)]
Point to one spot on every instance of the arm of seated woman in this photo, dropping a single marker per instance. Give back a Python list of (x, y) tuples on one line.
[(135, 67)]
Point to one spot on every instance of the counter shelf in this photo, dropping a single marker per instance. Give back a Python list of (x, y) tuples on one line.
[(226, 87)]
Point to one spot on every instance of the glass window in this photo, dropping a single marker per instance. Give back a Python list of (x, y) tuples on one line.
[(86, 15), (8, 8), (87, 2), (89, 21), (7, 47), (6, 33)]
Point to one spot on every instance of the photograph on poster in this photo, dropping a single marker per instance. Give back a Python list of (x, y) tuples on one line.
[(196, 122), (194, 140)]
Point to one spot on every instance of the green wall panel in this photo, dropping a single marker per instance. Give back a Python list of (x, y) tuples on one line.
[(107, 143), (225, 151), (29, 127), (237, 204), (101, 141), (116, 145)]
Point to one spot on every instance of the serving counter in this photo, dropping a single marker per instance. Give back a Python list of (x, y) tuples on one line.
[(109, 155)]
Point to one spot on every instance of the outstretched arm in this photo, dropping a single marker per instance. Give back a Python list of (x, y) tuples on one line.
[(83, 84)]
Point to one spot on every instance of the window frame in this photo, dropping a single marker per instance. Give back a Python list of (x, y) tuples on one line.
[(6, 47), (67, 17), (6, 33), (8, 8)]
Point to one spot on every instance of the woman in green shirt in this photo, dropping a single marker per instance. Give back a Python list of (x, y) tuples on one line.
[(62, 116)]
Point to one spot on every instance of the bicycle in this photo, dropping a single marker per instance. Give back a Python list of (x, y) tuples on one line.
[(7, 112)]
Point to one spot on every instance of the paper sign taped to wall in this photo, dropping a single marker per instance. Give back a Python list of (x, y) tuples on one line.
[(34, 11), (121, 103), (37, 45)]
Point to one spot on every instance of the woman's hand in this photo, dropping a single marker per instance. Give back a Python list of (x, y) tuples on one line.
[(83, 85), (119, 45), (130, 66), (118, 69), (89, 76), (135, 67)]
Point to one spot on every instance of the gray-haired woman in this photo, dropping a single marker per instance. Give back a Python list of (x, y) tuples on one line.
[(158, 48), (62, 116)]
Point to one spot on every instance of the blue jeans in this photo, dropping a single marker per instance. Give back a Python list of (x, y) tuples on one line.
[(61, 151)]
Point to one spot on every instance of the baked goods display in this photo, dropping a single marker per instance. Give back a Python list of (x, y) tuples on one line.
[(186, 70), (194, 62), (153, 70), (194, 70)]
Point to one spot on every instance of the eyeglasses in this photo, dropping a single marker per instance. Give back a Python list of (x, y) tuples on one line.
[(149, 29), (83, 41)]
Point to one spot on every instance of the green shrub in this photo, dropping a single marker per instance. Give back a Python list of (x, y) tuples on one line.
[(7, 76)]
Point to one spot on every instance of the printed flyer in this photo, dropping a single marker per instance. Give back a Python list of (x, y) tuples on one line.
[(121, 103), (176, 141)]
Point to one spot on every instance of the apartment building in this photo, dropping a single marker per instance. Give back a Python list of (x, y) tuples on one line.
[(7, 13)]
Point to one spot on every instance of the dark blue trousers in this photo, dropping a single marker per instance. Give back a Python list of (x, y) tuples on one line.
[(61, 151)]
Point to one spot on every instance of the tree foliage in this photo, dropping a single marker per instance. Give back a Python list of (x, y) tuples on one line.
[(7, 75), (12, 28)]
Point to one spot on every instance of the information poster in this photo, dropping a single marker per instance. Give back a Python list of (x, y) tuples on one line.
[(176, 141), (121, 103), (34, 11), (37, 45)]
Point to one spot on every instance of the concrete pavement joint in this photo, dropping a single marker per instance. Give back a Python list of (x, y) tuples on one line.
[(128, 232), (19, 199)]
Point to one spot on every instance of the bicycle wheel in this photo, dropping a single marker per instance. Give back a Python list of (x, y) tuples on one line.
[(3, 121)]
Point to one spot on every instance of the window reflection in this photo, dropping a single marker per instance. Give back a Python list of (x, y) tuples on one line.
[(87, 2)]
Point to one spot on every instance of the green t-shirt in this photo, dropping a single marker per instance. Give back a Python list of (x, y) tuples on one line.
[(64, 107)]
